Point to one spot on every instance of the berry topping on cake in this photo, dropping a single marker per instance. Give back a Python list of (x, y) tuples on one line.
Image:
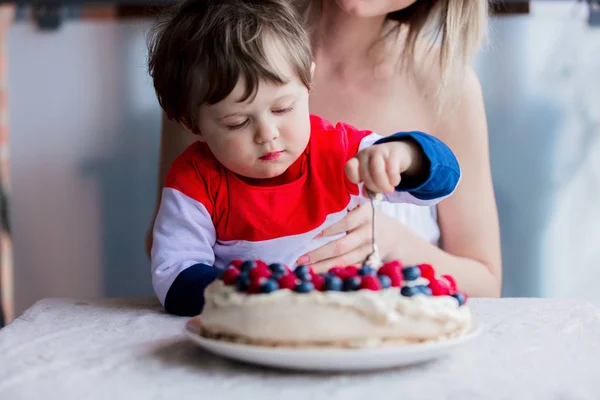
[(269, 285), (385, 281), (333, 283), (451, 282), (229, 275), (366, 270), (256, 276), (351, 271), (424, 290), (261, 271), (351, 284), (427, 271), (287, 281), (255, 285), (319, 281), (392, 271), (439, 287), (303, 273), (411, 273), (304, 287), (242, 282), (278, 268), (246, 266), (461, 298), (370, 282), (409, 291), (337, 271)]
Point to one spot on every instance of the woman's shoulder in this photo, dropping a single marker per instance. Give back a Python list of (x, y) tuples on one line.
[(452, 100)]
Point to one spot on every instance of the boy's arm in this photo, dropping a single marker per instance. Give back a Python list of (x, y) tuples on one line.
[(182, 253), (437, 173), (437, 176)]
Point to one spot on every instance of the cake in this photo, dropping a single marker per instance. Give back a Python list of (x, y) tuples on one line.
[(347, 307)]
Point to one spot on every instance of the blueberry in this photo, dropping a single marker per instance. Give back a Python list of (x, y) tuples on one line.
[(247, 266), (411, 273), (277, 268), (385, 280), (304, 287), (460, 298), (425, 290), (366, 270), (301, 269), (242, 282), (333, 283), (303, 273), (270, 285), (409, 291), (351, 284), (278, 275)]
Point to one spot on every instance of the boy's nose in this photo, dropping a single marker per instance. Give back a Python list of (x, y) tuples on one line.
[(267, 133)]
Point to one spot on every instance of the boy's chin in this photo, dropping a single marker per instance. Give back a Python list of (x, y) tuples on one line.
[(270, 174)]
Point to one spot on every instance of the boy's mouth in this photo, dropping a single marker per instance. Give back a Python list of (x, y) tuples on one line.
[(271, 156)]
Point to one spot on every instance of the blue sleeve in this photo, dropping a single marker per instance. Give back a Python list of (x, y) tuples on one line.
[(442, 172), (186, 295)]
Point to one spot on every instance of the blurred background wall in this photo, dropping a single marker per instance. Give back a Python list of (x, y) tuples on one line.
[(84, 136)]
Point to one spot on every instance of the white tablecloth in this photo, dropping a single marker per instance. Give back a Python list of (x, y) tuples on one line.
[(129, 349)]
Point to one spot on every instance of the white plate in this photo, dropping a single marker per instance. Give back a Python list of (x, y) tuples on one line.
[(333, 359)]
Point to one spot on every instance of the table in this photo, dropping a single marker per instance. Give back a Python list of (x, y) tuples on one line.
[(129, 349)]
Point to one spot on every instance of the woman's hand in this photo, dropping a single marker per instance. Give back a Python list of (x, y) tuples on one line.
[(355, 246)]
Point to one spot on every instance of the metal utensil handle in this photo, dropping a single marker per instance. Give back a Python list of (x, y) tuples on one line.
[(373, 259)]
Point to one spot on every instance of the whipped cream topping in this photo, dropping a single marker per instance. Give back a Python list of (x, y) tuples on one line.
[(363, 316)]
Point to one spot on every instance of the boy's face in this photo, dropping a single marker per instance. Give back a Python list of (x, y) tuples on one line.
[(263, 136)]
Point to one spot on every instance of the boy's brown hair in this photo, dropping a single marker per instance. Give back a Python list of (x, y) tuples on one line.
[(201, 48)]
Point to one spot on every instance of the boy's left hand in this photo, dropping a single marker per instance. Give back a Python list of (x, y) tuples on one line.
[(380, 166)]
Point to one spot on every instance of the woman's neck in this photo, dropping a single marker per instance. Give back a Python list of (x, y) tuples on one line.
[(344, 40)]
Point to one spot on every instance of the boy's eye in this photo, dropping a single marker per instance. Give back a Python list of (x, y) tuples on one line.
[(238, 126), (283, 110)]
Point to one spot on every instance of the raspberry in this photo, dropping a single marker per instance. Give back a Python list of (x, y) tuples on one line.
[(392, 267), (319, 281), (439, 287), (287, 282), (451, 282), (370, 282), (337, 271), (255, 285), (229, 275), (392, 270), (396, 280), (261, 271), (427, 272), (261, 263), (236, 263), (351, 271)]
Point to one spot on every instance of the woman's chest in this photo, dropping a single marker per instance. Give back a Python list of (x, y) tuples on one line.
[(382, 108)]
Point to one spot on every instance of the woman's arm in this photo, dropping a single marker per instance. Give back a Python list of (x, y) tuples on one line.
[(469, 218), (470, 235), (173, 141)]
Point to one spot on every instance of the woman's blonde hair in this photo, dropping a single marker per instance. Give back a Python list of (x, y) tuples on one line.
[(458, 26)]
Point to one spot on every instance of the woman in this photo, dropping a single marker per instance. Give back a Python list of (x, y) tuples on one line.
[(375, 70)]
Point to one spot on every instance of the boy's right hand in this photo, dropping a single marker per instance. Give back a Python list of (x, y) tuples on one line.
[(380, 165)]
